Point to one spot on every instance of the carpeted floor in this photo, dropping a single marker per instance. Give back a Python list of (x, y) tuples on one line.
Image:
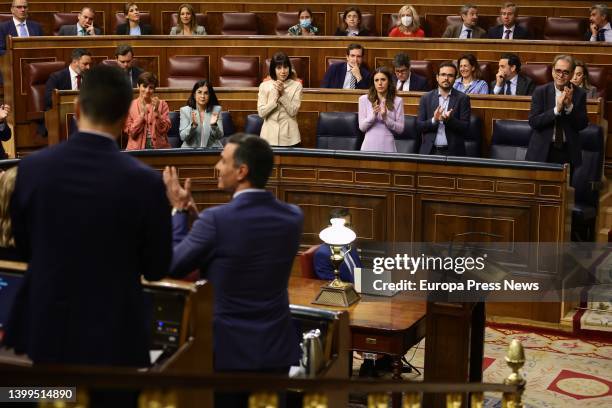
[(561, 371)]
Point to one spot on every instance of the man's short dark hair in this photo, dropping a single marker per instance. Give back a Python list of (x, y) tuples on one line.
[(513, 59), (466, 8), (77, 53), (339, 213), (354, 46), (146, 79), (447, 64), (123, 49), (257, 154), (105, 95), (401, 60)]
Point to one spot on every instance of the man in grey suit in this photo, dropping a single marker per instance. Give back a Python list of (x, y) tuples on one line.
[(469, 28), (508, 80), (84, 25)]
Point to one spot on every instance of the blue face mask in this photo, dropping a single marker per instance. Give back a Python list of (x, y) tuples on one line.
[(305, 23)]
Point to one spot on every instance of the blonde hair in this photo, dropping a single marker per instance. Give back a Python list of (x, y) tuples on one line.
[(7, 186), (416, 24)]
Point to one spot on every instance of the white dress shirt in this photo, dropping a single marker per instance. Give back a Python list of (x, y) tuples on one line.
[(510, 34), (464, 31), (441, 140), (501, 90), (347, 78), (607, 33), (405, 86), (73, 78)]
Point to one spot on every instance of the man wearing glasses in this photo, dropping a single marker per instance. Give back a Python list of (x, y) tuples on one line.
[(406, 80), (558, 113), (19, 25)]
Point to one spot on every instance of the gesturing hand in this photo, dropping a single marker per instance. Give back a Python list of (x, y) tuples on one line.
[(179, 197), (446, 115), (356, 73), (438, 113), (155, 103), (194, 119), (4, 112)]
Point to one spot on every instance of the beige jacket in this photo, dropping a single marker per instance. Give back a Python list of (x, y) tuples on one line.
[(280, 126)]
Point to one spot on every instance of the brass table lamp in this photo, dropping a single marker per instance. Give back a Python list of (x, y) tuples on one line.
[(336, 292)]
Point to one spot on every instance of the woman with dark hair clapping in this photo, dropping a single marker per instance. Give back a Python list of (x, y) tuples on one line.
[(200, 120)]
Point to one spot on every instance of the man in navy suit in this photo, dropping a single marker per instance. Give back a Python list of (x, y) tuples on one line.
[(90, 221), (444, 116), (406, 80), (19, 25), (68, 78), (124, 55), (246, 249), (508, 29), (5, 130), (509, 80), (84, 25), (558, 113), (350, 74)]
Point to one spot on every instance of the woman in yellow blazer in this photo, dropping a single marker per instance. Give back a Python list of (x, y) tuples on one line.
[(278, 103)]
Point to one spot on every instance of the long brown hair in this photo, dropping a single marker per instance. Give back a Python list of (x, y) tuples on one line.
[(7, 186), (373, 95), (192, 24)]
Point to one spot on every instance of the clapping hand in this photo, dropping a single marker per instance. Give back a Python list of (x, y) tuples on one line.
[(568, 94), (4, 112), (438, 114), (155, 103), (179, 196), (194, 119), (142, 105), (383, 109), (446, 115)]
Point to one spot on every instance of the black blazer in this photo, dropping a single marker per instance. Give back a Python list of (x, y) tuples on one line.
[(8, 28), (524, 86), (418, 83), (542, 121), (135, 74), (456, 126), (90, 220), (497, 32), (124, 29), (5, 135), (57, 80), (343, 33), (335, 74)]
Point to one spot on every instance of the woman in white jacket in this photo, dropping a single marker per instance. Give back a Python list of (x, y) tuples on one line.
[(200, 120)]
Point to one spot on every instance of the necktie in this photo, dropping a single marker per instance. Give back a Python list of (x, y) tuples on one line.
[(78, 77), (401, 86), (601, 34), (83, 31), (507, 34), (22, 30), (353, 82), (508, 88), (558, 136), (469, 33)]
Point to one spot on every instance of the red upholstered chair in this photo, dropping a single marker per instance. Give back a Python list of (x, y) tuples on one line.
[(60, 19), (184, 71), (239, 24), (565, 28), (284, 20), (486, 72), (145, 18), (239, 71), (300, 66), (598, 77), (529, 23), (36, 75), (307, 262), (110, 62), (424, 69), (332, 61), (368, 21), (453, 20), (5, 17), (541, 73), (201, 19)]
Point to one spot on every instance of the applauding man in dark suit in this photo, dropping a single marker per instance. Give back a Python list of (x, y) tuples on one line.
[(19, 25), (558, 113)]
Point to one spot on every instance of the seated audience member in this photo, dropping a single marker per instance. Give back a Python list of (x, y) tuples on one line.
[(408, 24), (187, 23), (600, 29), (351, 24), (200, 124), (133, 25), (350, 74), (405, 79), (469, 81), (444, 116), (558, 112), (124, 54), (147, 123), (469, 28), (581, 80), (84, 25), (323, 267), (381, 113), (278, 103), (306, 24), (19, 25), (68, 78), (508, 29), (5, 130), (509, 80), (7, 241)]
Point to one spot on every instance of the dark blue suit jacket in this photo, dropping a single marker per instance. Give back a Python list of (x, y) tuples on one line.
[(57, 80), (324, 269), (246, 249), (334, 77), (418, 83), (8, 28), (456, 127), (497, 32), (90, 221), (542, 121)]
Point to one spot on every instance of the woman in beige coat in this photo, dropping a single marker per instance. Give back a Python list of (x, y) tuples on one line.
[(278, 103)]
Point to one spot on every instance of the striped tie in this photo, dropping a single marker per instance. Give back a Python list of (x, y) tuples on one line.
[(353, 82)]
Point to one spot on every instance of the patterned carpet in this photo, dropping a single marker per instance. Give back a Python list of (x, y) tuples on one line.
[(561, 372)]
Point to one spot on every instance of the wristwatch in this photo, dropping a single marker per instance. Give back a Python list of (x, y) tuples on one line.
[(178, 211)]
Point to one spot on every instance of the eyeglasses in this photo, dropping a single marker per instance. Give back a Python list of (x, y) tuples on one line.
[(561, 72)]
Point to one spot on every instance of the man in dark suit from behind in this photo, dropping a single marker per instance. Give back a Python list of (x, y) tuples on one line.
[(444, 116), (246, 249), (350, 74), (68, 78), (90, 221), (84, 25), (19, 25), (508, 29), (558, 113), (469, 27), (407, 80), (124, 54), (509, 80)]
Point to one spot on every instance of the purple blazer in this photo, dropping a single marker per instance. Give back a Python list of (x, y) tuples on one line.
[(379, 134)]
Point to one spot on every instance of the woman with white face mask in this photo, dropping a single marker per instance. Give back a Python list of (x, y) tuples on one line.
[(408, 24), (305, 26)]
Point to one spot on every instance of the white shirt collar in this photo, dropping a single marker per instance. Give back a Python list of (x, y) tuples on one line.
[(249, 190), (348, 67), (509, 28), (466, 28), (73, 73), (607, 27), (17, 22)]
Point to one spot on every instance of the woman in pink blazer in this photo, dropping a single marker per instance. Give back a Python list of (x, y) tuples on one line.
[(147, 123)]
